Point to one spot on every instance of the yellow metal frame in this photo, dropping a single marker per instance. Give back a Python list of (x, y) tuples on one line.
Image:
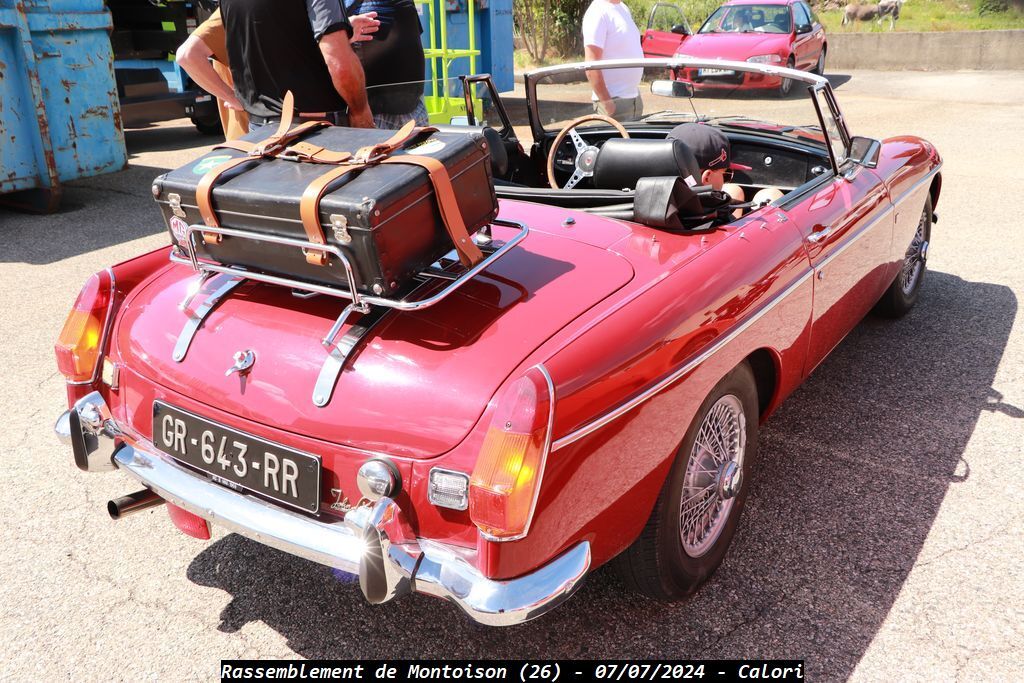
[(440, 107)]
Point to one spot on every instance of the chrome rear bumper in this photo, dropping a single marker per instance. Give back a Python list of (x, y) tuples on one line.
[(374, 541)]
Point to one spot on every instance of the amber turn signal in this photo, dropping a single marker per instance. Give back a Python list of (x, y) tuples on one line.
[(506, 480), (78, 346)]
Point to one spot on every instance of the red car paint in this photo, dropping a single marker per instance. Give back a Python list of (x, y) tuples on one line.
[(803, 48), (609, 307)]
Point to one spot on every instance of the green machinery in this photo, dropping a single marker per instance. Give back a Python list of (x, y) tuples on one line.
[(443, 94)]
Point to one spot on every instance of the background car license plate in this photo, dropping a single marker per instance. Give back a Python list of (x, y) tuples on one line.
[(238, 459), (715, 72)]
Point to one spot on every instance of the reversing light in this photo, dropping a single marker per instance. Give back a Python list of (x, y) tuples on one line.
[(448, 489), (506, 479), (78, 346)]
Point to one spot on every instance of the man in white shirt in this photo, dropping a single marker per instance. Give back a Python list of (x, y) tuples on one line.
[(609, 32)]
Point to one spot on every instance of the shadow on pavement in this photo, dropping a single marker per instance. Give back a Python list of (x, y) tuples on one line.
[(851, 473), (166, 138), (95, 213), (838, 80)]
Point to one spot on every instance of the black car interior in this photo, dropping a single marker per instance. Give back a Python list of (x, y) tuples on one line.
[(650, 179)]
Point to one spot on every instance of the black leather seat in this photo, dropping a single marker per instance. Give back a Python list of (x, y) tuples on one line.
[(621, 163)]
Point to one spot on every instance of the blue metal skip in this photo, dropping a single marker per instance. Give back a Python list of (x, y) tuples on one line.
[(59, 116)]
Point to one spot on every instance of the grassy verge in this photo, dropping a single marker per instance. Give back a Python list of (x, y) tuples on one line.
[(932, 15)]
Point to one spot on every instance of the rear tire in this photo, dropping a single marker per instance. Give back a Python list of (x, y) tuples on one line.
[(680, 547), (209, 126), (906, 288), (819, 68)]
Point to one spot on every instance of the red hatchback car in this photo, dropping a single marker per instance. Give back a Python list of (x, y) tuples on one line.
[(779, 32)]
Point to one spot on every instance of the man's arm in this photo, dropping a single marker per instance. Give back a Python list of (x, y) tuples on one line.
[(194, 57), (347, 76), (592, 53)]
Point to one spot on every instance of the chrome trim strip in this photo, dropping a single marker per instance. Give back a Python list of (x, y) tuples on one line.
[(196, 317), (543, 457), (663, 384), (863, 231), (853, 239), (916, 186), (624, 408)]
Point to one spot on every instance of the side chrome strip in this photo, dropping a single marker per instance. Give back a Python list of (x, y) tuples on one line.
[(853, 240), (863, 231), (689, 367), (915, 186)]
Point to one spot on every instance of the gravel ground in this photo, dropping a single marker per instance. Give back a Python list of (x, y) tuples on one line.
[(882, 538)]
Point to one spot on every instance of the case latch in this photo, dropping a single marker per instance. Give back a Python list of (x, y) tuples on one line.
[(339, 224), (174, 201)]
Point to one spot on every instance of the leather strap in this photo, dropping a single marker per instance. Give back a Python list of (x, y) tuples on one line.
[(307, 151), (240, 145), (309, 210), (383, 149), (204, 194), (309, 204), (254, 151), (451, 214)]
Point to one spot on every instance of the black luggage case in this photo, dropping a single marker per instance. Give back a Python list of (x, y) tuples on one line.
[(384, 218)]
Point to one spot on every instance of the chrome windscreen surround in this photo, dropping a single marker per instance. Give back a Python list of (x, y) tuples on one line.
[(374, 541)]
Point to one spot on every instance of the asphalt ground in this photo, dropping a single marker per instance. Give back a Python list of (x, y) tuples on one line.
[(882, 538)]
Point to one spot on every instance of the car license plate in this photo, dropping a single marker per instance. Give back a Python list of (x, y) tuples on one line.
[(715, 72), (238, 460)]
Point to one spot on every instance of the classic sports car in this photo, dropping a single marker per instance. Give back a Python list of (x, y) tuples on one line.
[(588, 393), (782, 32)]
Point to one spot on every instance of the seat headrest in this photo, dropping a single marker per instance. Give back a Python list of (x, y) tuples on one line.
[(621, 163), (499, 155)]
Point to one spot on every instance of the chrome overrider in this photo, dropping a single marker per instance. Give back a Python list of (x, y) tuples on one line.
[(374, 541)]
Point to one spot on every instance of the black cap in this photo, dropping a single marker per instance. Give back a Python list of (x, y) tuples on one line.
[(709, 146)]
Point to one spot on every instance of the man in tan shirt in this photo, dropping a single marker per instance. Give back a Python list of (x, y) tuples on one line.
[(208, 40)]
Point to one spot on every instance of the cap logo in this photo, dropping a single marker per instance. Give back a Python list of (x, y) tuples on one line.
[(721, 158)]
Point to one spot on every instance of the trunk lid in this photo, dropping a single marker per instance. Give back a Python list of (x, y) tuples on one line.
[(417, 383)]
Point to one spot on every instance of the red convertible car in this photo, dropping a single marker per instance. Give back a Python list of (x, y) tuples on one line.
[(588, 393), (782, 32)]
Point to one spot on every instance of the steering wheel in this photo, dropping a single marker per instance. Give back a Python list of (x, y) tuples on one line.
[(586, 154)]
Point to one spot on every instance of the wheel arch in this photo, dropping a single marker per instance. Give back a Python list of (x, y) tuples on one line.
[(935, 189), (765, 364)]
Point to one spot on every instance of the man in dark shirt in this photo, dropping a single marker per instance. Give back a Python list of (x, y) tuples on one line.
[(300, 45), (393, 62)]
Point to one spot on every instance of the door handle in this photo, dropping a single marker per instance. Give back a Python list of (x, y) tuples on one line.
[(820, 233)]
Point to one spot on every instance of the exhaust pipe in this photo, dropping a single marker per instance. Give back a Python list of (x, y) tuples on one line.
[(133, 502)]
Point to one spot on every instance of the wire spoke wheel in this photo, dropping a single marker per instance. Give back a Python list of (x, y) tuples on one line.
[(713, 475), (914, 260)]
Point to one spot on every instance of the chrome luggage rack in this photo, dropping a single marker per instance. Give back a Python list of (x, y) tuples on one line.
[(217, 280)]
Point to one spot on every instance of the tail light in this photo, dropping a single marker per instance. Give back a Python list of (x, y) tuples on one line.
[(505, 482), (79, 345)]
